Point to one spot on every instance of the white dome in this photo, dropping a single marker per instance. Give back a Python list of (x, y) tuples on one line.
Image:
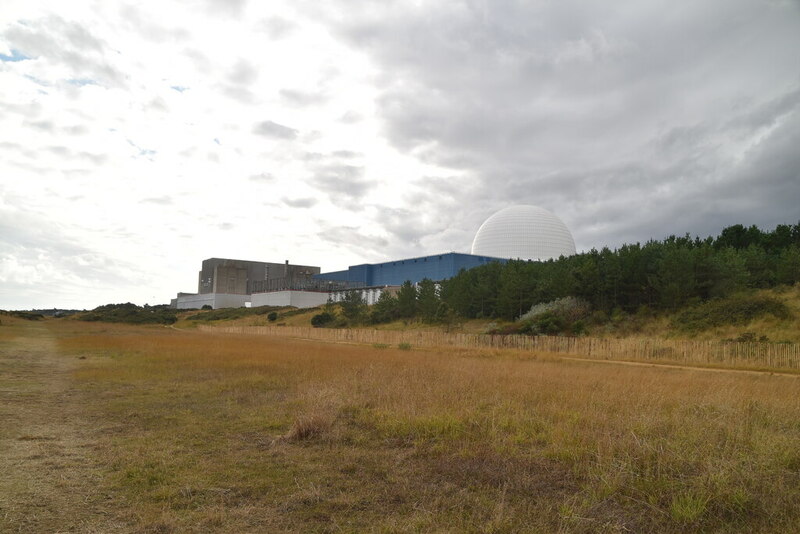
[(524, 232)]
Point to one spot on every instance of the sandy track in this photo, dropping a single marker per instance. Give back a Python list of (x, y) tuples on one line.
[(50, 481)]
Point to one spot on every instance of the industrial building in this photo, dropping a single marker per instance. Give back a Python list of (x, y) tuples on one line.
[(515, 232), (393, 273), (229, 283)]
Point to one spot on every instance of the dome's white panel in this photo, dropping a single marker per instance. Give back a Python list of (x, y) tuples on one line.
[(523, 232)]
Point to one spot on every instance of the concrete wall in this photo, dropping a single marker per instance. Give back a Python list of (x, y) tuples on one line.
[(298, 299), (215, 300), (230, 280)]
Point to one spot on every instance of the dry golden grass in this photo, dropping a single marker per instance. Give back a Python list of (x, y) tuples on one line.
[(258, 433)]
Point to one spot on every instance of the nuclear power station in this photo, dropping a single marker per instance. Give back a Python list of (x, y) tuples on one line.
[(517, 232)]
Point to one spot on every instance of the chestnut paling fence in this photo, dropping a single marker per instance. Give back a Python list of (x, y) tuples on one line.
[(758, 355)]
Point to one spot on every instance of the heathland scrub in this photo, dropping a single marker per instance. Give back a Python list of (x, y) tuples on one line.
[(206, 432)]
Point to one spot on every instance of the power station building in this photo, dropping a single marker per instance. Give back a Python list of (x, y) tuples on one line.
[(228, 283), (393, 273), (516, 232)]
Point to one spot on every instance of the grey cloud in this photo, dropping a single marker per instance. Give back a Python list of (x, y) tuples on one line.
[(351, 117), (302, 98), (352, 237), (240, 94), (161, 201), (243, 73), (346, 154), (158, 104), (277, 27), (67, 43), (28, 249), (75, 130), (300, 202), (273, 129), (596, 113), (150, 29), (337, 154), (59, 150), (66, 153), (342, 181), (405, 225), (312, 156), (231, 8), (200, 60), (45, 126), (262, 177), (28, 109)]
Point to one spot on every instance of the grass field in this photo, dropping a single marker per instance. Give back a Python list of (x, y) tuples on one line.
[(200, 432)]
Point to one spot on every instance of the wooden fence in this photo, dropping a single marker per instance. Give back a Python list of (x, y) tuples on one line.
[(752, 355)]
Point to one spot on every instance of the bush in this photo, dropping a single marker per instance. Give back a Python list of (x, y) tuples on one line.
[(560, 316), (272, 316), (206, 307), (740, 309), (131, 314), (28, 316), (569, 308), (230, 313), (321, 319), (404, 346)]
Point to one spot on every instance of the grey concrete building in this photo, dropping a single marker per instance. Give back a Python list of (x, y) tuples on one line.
[(241, 277), (228, 283)]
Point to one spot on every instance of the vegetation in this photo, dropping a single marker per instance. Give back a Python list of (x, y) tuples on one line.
[(622, 289), (28, 316), (131, 314), (736, 310), (232, 434), (661, 275), (322, 319), (224, 314)]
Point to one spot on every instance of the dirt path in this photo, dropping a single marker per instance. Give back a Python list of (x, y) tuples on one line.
[(49, 481), (684, 367)]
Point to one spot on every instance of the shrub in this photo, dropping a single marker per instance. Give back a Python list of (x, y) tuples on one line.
[(563, 315), (321, 319), (404, 346), (568, 308), (206, 307), (272, 316), (740, 309), (28, 316), (132, 314)]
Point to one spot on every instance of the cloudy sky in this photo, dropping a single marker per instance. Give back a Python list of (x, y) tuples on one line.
[(138, 138)]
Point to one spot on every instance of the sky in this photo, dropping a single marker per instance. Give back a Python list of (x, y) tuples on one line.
[(139, 138)]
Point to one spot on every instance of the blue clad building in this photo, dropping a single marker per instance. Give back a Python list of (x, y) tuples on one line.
[(394, 273)]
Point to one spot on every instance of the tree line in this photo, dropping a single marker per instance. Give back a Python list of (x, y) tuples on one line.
[(658, 275)]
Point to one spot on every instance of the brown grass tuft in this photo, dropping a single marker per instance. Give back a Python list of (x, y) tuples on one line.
[(308, 427)]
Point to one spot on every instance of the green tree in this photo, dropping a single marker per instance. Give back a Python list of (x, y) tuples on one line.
[(385, 310), (407, 300), (788, 268), (427, 300), (353, 306)]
